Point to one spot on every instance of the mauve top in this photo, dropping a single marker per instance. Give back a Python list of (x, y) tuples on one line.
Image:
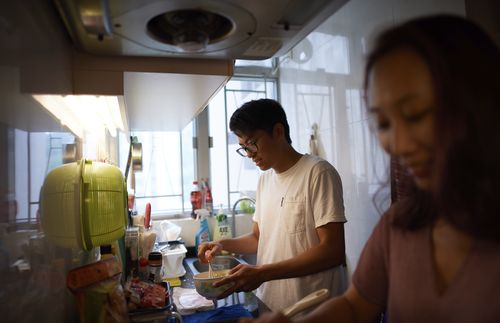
[(396, 271)]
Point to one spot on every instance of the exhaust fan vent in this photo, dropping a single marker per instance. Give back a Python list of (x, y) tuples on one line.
[(227, 29), (190, 30)]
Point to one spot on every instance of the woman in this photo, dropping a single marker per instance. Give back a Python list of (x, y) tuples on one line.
[(433, 87)]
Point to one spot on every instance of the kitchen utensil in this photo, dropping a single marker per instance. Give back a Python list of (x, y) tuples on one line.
[(134, 158), (210, 271), (306, 302), (83, 204), (147, 216)]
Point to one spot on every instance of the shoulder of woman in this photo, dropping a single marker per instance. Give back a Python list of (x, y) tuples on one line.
[(386, 219)]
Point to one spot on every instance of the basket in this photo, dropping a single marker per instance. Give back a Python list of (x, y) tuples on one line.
[(84, 204)]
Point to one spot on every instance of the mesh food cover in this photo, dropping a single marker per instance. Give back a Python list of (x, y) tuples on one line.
[(84, 204)]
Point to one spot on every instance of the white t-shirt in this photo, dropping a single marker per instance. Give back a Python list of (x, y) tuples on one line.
[(290, 206)]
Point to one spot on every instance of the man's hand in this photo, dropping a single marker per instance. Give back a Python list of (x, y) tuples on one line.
[(208, 250), (243, 278)]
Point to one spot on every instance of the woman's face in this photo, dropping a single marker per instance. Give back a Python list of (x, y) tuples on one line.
[(401, 103)]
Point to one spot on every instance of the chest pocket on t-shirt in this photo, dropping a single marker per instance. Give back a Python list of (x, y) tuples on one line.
[(293, 213)]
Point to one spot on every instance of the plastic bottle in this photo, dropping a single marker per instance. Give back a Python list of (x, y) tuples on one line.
[(203, 234), (223, 229), (208, 201), (195, 199)]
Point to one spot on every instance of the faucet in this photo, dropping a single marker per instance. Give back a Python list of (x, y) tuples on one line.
[(233, 213)]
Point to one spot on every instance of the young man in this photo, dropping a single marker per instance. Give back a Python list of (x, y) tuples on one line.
[(298, 229)]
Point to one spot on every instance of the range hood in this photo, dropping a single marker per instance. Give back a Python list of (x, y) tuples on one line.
[(166, 59), (230, 29)]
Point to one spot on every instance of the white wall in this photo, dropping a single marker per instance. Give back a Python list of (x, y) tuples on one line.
[(190, 228), (321, 82)]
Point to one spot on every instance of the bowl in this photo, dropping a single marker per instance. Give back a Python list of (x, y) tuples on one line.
[(203, 283)]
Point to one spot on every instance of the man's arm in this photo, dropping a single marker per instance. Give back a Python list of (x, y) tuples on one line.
[(245, 244), (328, 253)]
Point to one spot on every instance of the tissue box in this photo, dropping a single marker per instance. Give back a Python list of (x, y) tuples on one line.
[(172, 261)]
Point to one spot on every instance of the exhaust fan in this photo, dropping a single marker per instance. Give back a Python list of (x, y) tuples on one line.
[(189, 30), (230, 29)]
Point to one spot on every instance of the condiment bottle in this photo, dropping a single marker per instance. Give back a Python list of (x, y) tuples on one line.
[(155, 259)]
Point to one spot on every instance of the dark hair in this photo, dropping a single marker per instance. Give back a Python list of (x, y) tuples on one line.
[(464, 63), (260, 114)]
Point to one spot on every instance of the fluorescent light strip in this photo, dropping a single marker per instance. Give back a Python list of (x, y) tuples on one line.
[(84, 113)]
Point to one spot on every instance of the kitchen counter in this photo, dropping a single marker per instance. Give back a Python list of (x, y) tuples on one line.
[(251, 302)]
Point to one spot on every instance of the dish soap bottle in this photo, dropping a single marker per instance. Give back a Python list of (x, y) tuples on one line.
[(203, 234), (223, 230)]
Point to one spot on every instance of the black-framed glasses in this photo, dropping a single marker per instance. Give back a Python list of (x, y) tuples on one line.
[(246, 150)]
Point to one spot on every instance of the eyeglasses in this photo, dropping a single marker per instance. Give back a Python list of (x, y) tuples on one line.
[(248, 149)]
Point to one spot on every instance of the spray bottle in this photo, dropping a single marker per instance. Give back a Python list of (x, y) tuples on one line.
[(203, 234)]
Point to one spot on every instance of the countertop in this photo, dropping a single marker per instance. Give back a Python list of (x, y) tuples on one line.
[(251, 302)]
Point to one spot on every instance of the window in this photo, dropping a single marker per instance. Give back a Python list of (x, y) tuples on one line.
[(168, 169)]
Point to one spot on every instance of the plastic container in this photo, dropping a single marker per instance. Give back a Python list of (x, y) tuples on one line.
[(84, 204), (222, 229), (173, 257)]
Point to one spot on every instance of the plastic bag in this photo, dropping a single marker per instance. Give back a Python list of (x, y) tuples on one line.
[(99, 293), (168, 231)]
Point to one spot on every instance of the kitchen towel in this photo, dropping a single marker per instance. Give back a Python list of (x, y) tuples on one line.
[(188, 301), (222, 313)]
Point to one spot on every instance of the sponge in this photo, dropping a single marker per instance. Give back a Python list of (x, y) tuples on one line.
[(174, 282)]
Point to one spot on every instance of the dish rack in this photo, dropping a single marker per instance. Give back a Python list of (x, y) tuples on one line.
[(84, 204)]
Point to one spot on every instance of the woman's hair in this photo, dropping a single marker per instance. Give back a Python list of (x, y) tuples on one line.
[(262, 114), (464, 63)]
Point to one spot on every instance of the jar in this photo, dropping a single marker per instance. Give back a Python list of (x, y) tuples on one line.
[(155, 260)]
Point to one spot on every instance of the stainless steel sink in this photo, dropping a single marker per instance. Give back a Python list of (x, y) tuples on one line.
[(219, 263)]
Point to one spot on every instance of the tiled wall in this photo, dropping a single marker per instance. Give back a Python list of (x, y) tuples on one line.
[(321, 81)]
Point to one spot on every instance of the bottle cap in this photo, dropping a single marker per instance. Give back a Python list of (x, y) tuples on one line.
[(155, 255)]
